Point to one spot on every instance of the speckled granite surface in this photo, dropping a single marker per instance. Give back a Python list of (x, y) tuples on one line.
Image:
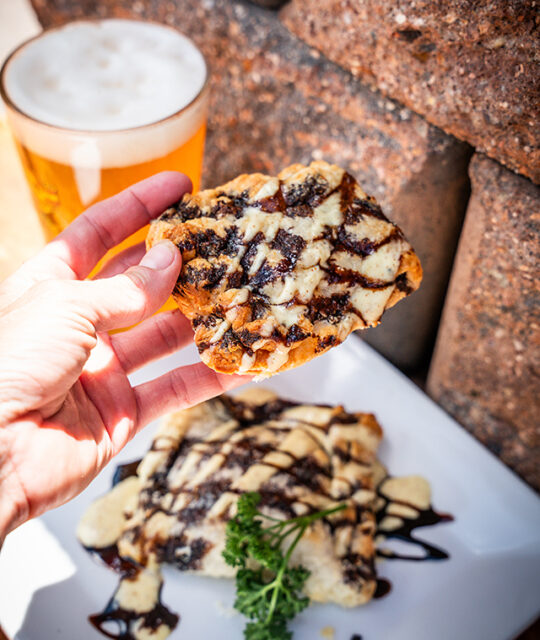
[(486, 368), (469, 67), (275, 101)]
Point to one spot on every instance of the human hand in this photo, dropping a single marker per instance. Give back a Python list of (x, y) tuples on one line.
[(66, 404)]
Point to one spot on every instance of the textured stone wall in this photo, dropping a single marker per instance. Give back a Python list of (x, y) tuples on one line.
[(275, 101), (486, 368), (469, 67)]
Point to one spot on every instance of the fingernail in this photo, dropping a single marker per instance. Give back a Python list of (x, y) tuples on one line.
[(160, 255)]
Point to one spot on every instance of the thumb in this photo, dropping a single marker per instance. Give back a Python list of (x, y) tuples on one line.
[(132, 296)]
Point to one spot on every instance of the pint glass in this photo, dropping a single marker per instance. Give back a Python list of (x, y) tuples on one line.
[(95, 106)]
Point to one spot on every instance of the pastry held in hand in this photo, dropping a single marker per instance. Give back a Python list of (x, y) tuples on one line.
[(277, 270)]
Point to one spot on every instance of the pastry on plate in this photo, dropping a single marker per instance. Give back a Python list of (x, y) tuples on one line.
[(277, 270), (301, 458), (173, 506)]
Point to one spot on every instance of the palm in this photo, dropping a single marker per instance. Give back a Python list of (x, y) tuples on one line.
[(69, 447), (66, 402)]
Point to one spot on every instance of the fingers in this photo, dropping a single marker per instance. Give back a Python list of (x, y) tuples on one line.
[(122, 261), (128, 298), (104, 225), (155, 338), (181, 388)]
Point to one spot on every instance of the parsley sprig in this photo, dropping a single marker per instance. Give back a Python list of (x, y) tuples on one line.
[(270, 594)]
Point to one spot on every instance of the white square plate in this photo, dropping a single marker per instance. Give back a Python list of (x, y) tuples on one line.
[(488, 589)]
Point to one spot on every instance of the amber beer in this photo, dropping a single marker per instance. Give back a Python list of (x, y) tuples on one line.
[(95, 106)]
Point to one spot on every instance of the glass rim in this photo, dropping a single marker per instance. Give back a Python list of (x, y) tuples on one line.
[(96, 132)]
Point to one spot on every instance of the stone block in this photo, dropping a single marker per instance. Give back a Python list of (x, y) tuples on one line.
[(486, 367), (469, 67), (275, 101)]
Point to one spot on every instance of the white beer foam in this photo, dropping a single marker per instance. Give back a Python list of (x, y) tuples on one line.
[(104, 77)]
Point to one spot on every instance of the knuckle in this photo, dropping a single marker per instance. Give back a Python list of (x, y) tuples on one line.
[(180, 389), (136, 289), (167, 332)]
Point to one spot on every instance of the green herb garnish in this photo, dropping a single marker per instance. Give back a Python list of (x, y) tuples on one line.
[(269, 595)]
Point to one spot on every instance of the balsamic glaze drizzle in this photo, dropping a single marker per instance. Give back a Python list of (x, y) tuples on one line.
[(124, 471), (424, 518), (126, 619)]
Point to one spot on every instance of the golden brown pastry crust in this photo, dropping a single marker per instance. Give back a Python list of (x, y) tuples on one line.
[(277, 270)]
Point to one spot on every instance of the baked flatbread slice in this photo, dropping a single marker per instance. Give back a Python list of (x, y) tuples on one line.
[(277, 270)]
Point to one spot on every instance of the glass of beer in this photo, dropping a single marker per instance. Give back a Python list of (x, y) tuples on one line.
[(95, 106)]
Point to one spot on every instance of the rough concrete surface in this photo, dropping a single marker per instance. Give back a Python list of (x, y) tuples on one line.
[(470, 67), (486, 367)]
